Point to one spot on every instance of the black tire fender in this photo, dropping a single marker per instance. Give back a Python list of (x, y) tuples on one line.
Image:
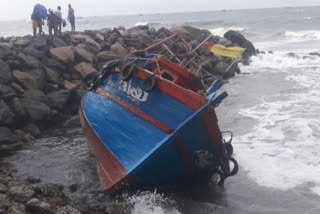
[(149, 83), (125, 75)]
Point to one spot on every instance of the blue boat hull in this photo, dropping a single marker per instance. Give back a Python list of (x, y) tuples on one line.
[(149, 138)]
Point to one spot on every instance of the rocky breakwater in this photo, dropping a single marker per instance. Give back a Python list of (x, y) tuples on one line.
[(41, 78), (41, 85)]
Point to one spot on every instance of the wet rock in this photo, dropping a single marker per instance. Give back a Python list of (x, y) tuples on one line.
[(84, 55), (4, 202), (99, 37), (40, 43), (238, 38), (39, 77), (72, 122), (54, 64), (92, 45), (118, 208), (31, 51), (58, 99), (20, 193), (5, 50), (34, 130), (63, 54), (292, 55), (6, 115), (33, 180), (73, 188), (17, 209), (29, 61), (5, 73), (7, 137), (36, 95), (25, 79), (35, 206), (36, 110), (52, 75), (84, 69), (23, 42), (67, 210), (17, 108), (57, 42), (3, 188), (17, 88), (105, 56), (69, 85), (6, 92), (119, 50), (314, 54)]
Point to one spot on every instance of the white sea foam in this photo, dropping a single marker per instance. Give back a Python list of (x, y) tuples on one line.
[(303, 35), (282, 150), (151, 203), (141, 23), (222, 30)]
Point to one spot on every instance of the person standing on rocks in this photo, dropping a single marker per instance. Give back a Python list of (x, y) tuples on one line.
[(51, 22), (36, 17), (59, 20), (72, 18)]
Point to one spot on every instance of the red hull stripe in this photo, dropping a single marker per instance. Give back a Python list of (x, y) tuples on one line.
[(110, 170), (210, 121), (185, 155), (187, 97), (165, 128)]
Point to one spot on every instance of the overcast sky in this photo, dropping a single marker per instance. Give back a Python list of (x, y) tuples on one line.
[(21, 9)]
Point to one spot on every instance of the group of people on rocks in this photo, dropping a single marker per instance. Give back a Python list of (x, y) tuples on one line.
[(54, 20)]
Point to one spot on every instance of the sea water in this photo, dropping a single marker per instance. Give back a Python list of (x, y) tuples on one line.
[(273, 110)]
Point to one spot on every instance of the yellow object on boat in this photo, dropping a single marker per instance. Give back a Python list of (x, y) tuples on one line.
[(232, 52)]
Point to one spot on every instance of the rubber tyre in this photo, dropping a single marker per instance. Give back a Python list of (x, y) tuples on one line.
[(235, 169), (149, 83), (126, 76), (229, 149)]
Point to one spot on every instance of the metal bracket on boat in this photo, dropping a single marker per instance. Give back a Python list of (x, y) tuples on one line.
[(215, 86), (216, 98)]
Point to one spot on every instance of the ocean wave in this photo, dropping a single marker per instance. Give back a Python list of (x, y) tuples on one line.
[(222, 30), (280, 151), (303, 35), (141, 23)]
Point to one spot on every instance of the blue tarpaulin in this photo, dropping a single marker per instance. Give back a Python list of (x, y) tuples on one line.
[(40, 11)]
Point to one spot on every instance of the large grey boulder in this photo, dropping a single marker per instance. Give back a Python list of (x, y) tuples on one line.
[(67, 210), (40, 43), (6, 115), (24, 79), (63, 54), (58, 99), (6, 92), (237, 37), (84, 55), (56, 65), (31, 51), (29, 61), (40, 78), (20, 193), (5, 73), (7, 137), (22, 42), (52, 75), (5, 49), (36, 95), (37, 111), (105, 56), (119, 50), (84, 69), (35, 206), (32, 129), (17, 108)]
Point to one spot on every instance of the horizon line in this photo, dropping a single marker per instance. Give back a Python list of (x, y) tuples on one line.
[(180, 12)]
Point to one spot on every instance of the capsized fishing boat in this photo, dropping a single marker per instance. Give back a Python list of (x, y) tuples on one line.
[(150, 121)]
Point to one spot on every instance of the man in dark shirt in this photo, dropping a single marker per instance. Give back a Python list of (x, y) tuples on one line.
[(71, 18), (52, 22)]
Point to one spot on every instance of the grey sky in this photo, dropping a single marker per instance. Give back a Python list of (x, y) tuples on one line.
[(21, 9)]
